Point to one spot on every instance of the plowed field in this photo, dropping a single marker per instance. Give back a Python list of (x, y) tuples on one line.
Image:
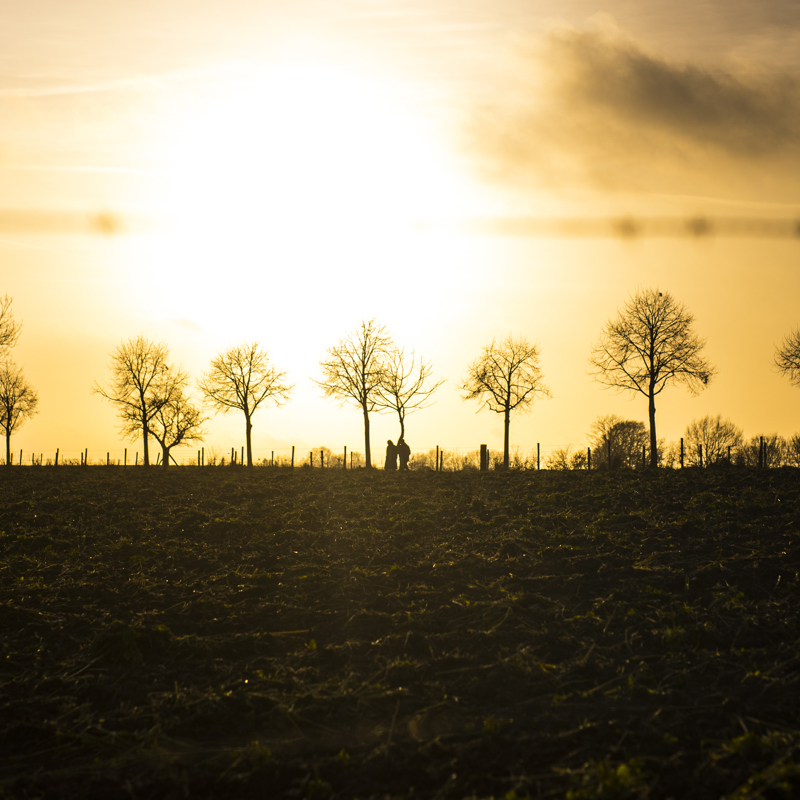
[(225, 633)]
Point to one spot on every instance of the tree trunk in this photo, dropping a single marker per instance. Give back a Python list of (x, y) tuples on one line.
[(653, 439), (8, 446), (506, 425), (145, 443), (402, 424), (367, 451), (247, 430), (165, 455)]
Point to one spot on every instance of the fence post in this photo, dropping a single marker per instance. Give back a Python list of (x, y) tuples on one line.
[(344, 463), (322, 458), (484, 458), (56, 464), (292, 455), (537, 455), (242, 456), (86, 457), (202, 456), (137, 459), (681, 452), (311, 458), (588, 458), (700, 450), (644, 456), (437, 458), (20, 457)]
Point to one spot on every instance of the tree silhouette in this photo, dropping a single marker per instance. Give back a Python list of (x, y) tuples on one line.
[(708, 440), (142, 383), (406, 386), (9, 328), (787, 357), (355, 371), (650, 344), (626, 437), (506, 378), (242, 378), (178, 422), (18, 401)]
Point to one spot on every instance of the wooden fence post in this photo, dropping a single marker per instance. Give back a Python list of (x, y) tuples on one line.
[(202, 456), (311, 458), (137, 459), (484, 458), (344, 463), (322, 458), (700, 450), (681, 452), (86, 457), (292, 455), (537, 455), (588, 458), (437, 458), (20, 457), (272, 459), (242, 455), (56, 464)]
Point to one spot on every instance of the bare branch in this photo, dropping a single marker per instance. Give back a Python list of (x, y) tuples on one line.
[(787, 357), (9, 328), (242, 379), (18, 401), (355, 371), (506, 378), (649, 345)]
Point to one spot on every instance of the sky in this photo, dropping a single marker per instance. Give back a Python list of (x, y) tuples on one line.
[(282, 171)]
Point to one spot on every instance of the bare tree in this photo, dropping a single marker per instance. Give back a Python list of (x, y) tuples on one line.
[(650, 344), (355, 371), (9, 328), (506, 378), (708, 440), (18, 401), (177, 423), (242, 378), (406, 385), (787, 357), (769, 453), (142, 382), (617, 443)]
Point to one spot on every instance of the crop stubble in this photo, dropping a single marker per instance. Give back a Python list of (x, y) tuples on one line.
[(233, 633)]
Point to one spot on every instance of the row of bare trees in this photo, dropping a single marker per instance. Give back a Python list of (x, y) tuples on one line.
[(650, 344)]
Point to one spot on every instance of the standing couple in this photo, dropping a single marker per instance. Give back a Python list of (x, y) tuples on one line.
[(394, 451)]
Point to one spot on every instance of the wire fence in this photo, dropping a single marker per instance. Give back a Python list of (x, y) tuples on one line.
[(762, 451)]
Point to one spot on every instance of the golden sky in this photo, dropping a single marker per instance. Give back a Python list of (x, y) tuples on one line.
[(272, 162)]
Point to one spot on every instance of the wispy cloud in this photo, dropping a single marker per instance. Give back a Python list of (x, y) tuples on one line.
[(599, 108)]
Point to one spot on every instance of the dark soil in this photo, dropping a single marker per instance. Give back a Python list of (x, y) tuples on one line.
[(225, 633)]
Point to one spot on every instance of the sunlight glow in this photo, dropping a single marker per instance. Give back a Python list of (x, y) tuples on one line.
[(301, 169)]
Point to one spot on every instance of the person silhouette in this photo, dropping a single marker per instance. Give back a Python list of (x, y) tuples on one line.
[(391, 456), (404, 451)]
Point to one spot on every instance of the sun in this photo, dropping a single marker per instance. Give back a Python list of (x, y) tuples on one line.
[(300, 170)]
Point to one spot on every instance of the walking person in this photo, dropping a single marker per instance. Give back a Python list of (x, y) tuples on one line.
[(404, 451), (391, 455)]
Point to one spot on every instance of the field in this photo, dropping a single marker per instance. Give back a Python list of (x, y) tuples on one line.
[(224, 633)]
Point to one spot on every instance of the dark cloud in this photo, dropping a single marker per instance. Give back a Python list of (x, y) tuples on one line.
[(599, 107)]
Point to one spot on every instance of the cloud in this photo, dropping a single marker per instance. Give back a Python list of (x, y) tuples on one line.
[(594, 107)]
